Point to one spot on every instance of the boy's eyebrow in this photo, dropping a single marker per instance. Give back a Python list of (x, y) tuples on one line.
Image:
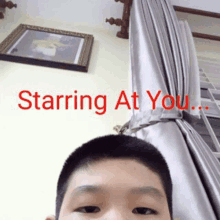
[(86, 189), (150, 190)]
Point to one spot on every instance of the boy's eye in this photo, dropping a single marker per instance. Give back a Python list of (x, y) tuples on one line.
[(144, 211), (88, 209)]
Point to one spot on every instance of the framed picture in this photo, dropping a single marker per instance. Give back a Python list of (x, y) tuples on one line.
[(48, 47)]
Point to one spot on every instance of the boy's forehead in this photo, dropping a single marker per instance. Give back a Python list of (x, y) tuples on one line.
[(114, 173)]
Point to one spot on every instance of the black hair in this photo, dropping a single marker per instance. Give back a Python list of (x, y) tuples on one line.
[(115, 147)]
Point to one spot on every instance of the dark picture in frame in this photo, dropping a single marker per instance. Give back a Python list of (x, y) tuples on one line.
[(48, 47)]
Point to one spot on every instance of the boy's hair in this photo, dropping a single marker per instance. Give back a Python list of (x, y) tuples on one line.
[(115, 147)]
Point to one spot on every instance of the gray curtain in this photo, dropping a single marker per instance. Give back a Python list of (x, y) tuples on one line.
[(163, 58)]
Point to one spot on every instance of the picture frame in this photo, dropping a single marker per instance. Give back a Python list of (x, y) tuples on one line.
[(48, 47)]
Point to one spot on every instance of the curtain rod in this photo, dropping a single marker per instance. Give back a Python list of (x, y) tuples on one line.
[(206, 36), (196, 11)]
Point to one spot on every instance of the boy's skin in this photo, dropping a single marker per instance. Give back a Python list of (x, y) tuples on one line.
[(119, 189)]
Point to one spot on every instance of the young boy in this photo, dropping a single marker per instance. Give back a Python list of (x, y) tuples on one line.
[(114, 177)]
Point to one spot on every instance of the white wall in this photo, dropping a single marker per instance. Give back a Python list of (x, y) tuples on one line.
[(35, 143), (92, 12)]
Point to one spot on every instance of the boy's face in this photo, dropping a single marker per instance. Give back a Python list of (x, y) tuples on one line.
[(118, 189)]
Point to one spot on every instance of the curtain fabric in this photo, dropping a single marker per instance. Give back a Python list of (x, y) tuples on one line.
[(163, 58)]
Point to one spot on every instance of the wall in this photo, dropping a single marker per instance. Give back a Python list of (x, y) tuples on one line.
[(35, 143), (92, 12)]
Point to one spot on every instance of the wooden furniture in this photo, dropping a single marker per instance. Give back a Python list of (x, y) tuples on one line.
[(196, 11), (124, 22), (5, 4)]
